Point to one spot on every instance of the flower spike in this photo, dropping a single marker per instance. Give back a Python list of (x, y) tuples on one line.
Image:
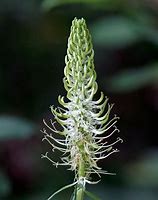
[(85, 123)]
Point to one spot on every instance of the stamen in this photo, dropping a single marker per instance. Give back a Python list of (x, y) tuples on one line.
[(103, 157)]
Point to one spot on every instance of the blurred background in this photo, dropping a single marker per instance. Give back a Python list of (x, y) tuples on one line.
[(33, 42)]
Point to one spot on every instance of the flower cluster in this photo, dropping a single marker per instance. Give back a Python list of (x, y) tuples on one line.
[(85, 122)]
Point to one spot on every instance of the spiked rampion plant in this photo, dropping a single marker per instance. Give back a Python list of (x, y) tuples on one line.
[(84, 121)]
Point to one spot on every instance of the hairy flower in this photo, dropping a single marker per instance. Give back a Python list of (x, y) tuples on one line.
[(85, 122)]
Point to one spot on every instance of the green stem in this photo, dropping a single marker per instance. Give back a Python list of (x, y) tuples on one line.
[(80, 188), (80, 193)]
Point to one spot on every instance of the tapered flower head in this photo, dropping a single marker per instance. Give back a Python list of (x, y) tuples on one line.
[(85, 121)]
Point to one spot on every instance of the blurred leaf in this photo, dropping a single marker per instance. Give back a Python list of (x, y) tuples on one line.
[(147, 26), (150, 34), (48, 4), (118, 32), (5, 186), (133, 79), (14, 127), (91, 195), (115, 32), (144, 172)]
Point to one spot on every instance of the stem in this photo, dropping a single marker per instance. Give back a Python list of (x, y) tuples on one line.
[(80, 187), (80, 193)]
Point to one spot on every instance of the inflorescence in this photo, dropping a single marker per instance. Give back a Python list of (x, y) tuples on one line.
[(85, 122)]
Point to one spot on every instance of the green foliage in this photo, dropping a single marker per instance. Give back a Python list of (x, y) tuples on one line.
[(129, 80), (143, 172), (115, 32), (102, 4), (48, 4), (14, 127), (91, 195), (119, 32)]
